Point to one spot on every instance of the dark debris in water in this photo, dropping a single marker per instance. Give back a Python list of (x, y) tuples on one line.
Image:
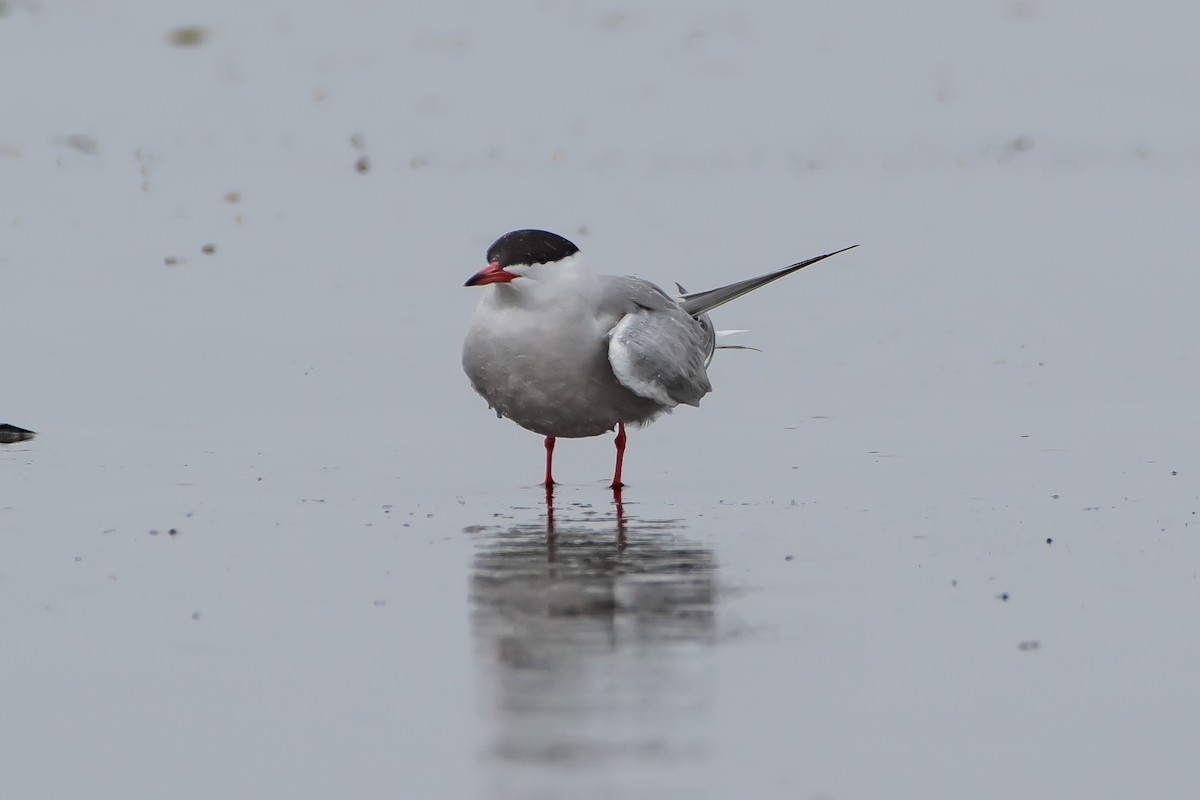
[(188, 36), (11, 434), (84, 144)]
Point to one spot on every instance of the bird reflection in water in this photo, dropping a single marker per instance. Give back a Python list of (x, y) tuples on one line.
[(595, 632)]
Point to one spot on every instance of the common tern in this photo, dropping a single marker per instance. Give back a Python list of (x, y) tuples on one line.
[(566, 353)]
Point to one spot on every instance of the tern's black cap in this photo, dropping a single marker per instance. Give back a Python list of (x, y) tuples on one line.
[(530, 247)]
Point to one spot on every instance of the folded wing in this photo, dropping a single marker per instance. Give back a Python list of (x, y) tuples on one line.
[(662, 355)]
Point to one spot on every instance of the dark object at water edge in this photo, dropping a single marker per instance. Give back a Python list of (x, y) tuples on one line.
[(11, 434)]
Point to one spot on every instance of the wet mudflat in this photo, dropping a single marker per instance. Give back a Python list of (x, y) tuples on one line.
[(744, 642), (937, 540)]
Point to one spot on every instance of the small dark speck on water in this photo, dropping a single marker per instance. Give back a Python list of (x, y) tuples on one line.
[(788, 558), (1021, 144), (1032, 644), (154, 533), (208, 249), (1174, 472), (1049, 540), (173, 532), (233, 197), (196, 615), (954, 583), (1003, 597), (84, 144), (170, 261), (380, 603), (1054, 497), (188, 36), (363, 165), (259, 478)]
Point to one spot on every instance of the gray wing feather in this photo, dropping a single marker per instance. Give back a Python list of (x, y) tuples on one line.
[(656, 350), (625, 294)]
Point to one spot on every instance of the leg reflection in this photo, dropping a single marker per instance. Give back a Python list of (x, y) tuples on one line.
[(551, 536), (552, 533), (621, 539)]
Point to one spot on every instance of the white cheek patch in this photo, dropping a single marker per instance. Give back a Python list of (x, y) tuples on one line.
[(567, 268)]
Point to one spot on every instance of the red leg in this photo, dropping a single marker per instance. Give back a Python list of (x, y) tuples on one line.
[(549, 484), (620, 442)]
